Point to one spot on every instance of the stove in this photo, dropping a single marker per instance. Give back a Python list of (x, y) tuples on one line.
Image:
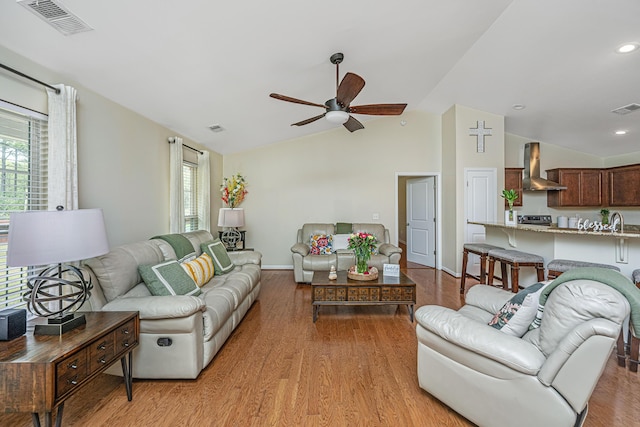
[(535, 219)]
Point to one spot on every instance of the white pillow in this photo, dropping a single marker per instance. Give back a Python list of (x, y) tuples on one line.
[(340, 241), (517, 314)]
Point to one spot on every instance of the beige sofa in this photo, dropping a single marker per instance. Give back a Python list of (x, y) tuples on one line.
[(179, 334), (305, 263), (544, 378)]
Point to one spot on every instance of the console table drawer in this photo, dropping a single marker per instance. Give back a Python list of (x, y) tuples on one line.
[(71, 371), (126, 336), (101, 352)]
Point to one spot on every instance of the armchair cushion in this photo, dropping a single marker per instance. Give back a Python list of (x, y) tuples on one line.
[(158, 307), (222, 264), (320, 244), (168, 278)]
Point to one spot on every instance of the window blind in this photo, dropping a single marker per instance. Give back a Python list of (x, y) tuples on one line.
[(190, 199), (23, 186)]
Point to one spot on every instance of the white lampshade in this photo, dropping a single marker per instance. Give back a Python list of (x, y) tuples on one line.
[(338, 117), (231, 217), (52, 237)]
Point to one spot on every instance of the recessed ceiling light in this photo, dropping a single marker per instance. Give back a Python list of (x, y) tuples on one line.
[(628, 47), (519, 107), (621, 132)]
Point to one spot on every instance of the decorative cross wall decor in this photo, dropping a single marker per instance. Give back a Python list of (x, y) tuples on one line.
[(480, 131)]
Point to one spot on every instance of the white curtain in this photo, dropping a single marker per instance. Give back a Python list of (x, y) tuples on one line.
[(176, 195), (204, 202), (63, 153)]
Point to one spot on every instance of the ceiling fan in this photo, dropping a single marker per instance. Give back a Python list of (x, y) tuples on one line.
[(338, 109)]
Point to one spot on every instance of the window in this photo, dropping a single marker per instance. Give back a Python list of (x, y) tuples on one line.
[(23, 186), (190, 190)]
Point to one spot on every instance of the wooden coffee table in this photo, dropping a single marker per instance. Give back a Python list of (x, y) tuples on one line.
[(385, 290)]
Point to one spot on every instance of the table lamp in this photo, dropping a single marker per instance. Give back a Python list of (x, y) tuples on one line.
[(52, 238), (231, 219)]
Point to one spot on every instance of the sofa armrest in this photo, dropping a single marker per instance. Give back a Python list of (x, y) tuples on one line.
[(301, 248), (245, 257), (488, 298), (481, 339), (158, 307), (388, 249)]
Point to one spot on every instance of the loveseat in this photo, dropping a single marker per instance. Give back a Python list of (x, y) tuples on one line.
[(179, 334), (542, 378), (306, 262)]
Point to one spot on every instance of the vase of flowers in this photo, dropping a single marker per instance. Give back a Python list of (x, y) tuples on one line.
[(233, 190), (363, 245)]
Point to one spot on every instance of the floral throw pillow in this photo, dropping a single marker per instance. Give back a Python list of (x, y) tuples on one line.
[(320, 244), (516, 315)]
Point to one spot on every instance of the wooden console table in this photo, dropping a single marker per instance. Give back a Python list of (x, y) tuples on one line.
[(38, 372)]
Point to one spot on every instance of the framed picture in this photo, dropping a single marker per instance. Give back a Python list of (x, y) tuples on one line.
[(391, 270)]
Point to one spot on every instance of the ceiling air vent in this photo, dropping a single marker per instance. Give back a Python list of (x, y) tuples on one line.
[(216, 128), (626, 109), (57, 15)]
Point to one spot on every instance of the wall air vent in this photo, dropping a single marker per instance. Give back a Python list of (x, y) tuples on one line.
[(54, 13), (626, 109), (216, 128)]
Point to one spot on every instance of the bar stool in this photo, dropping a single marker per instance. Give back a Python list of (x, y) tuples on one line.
[(515, 259), (480, 249), (558, 266)]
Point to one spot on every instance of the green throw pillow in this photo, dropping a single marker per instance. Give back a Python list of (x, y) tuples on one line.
[(221, 262), (168, 278)]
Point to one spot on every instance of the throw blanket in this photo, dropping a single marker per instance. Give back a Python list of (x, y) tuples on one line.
[(603, 275), (180, 244)]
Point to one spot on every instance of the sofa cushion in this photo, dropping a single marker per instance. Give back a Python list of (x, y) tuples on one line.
[(320, 244), (340, 241), (200, 269), (168, 278), (516, 315), (222, 264)]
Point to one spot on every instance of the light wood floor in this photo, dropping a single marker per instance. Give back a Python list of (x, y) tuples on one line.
[(356, 366)]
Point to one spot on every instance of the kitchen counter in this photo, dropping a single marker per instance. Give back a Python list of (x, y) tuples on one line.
[(631, 231), (604, 247)]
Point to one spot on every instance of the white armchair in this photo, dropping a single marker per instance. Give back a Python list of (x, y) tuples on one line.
[(544, 378)]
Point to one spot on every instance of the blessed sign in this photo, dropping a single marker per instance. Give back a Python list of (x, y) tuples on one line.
[(586, 225)]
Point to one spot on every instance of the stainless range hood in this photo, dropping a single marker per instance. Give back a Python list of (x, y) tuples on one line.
[(532, 180)]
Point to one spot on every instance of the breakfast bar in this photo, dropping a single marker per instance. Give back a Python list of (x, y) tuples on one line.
[(621, 249)]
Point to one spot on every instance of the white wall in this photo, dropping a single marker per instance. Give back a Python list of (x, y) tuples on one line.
[(123, 158), (334, 176)]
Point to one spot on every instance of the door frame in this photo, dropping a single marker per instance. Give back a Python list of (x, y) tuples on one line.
[(438, 201)]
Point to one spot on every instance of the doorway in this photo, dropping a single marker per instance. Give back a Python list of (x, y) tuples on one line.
[(418, 217)]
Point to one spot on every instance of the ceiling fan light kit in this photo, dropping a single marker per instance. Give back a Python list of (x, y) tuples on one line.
[(338, 109), (337, 117)]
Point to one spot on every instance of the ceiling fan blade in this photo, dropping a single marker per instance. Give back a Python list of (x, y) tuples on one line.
[(379, 109), (294, 100), (311, 120), (349, 88), (352, 124)]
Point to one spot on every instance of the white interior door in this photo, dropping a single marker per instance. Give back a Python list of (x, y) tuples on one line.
[(421, 225), (480, 205)]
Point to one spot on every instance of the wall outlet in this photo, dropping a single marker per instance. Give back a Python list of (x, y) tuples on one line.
[(375, 216)]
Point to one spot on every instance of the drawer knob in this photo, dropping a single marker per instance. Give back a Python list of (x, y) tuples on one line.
[(73, 381), (102, 345), (125, 344), (73, 365), (125, 331), (102, 360)]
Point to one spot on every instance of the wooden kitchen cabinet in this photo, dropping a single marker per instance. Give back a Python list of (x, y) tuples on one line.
[(513, 180), (584, 188), (623, 185)]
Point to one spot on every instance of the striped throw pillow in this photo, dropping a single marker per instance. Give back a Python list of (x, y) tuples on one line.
[(200, 269)]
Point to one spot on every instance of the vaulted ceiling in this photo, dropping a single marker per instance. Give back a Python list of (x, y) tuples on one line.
[(192, 64)]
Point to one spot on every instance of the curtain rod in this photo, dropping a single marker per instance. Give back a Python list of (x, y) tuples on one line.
[(172, 140), (29, 77)]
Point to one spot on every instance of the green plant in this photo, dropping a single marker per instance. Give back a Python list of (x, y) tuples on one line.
[(510, 196), (604, 213)]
